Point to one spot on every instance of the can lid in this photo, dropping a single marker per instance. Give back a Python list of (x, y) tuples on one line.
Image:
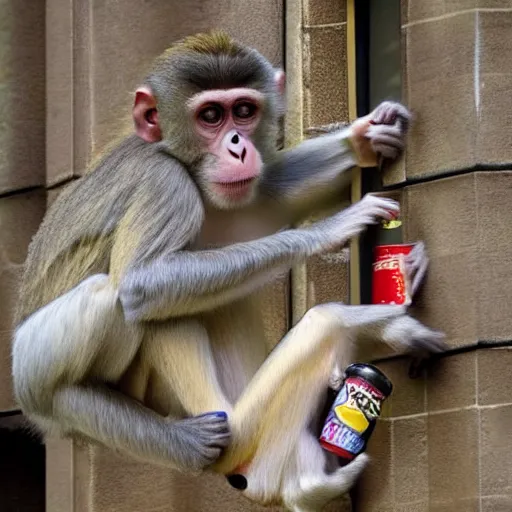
[(390, 232), (372, 374)]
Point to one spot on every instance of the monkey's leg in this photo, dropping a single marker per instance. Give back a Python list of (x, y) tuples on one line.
[(285, 460), (289, 382), (62, 354), (180, 357), (312, 488), (286, 389)]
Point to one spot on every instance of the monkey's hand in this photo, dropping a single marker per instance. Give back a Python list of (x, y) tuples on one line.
[(352, 221), (406, 331), (187, 282), (199, 440), (416, 265), (380, 133)]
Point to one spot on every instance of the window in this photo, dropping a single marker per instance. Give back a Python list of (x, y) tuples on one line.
[(379, 78), (378, 52)]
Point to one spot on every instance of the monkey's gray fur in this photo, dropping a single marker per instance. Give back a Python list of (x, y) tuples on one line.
[(138, 314)]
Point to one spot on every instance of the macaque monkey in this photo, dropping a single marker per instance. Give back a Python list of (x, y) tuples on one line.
[(138, 324)]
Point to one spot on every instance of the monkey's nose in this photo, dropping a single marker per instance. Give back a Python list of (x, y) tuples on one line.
[(235, 145)]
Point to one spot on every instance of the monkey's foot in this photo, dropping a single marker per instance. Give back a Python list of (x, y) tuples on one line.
[(202, 439), (316, 491), (421, 340)]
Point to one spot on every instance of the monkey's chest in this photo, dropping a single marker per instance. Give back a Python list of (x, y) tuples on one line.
[(225, 228)]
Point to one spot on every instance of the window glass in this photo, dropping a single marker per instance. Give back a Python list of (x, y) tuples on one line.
[(385, 76)]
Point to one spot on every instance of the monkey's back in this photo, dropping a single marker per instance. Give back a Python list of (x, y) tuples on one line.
[(59, 258), (75, 238)]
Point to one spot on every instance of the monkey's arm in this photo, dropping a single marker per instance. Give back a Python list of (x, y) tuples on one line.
[(311, 175), (187, 282), (314, 174)]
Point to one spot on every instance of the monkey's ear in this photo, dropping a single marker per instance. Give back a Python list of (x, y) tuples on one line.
[(145, 115), (280, 80)]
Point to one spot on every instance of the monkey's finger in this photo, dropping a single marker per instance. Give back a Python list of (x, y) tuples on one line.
[(387, 149), (220, 441), (207, 425), (382, 112), (416, 263), (390, 135), (380, 210), (397, 113), (375, 216), (381, 116), (418, 252), (336, 378), (385, 202), (419, 272), (220, 415), (219, 428), (388, 207), (384, 213), (403, 123), (214, 422), (382, 130), (434, 342), (418, 280), (214, 439), (389, 113), (377, 117), (398, 117)]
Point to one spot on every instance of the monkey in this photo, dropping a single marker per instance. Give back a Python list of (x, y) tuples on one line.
[(138, 325)]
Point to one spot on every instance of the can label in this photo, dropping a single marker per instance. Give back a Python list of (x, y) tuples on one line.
[(390, 282), (356, 408)]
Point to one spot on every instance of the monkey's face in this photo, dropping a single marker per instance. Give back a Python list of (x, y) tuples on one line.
[(214, 105), (222, 136), (225, 122)]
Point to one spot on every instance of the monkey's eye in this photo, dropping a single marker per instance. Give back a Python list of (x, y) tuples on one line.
[(244, 110), (211, 114)]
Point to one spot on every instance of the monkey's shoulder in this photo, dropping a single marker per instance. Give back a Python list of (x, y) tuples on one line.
[(81, 211), (152, 190), (71, 243), (75, 236), (92, 206)]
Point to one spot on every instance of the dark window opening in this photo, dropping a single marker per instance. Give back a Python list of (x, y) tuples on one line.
[(378, 78), (22, 467)]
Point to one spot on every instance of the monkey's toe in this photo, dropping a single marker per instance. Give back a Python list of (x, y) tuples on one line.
[(208, 435)]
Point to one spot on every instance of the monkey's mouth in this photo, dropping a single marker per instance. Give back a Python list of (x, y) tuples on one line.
[(235, 189)]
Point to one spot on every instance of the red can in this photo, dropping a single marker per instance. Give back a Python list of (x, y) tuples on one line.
[(390, 282)]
